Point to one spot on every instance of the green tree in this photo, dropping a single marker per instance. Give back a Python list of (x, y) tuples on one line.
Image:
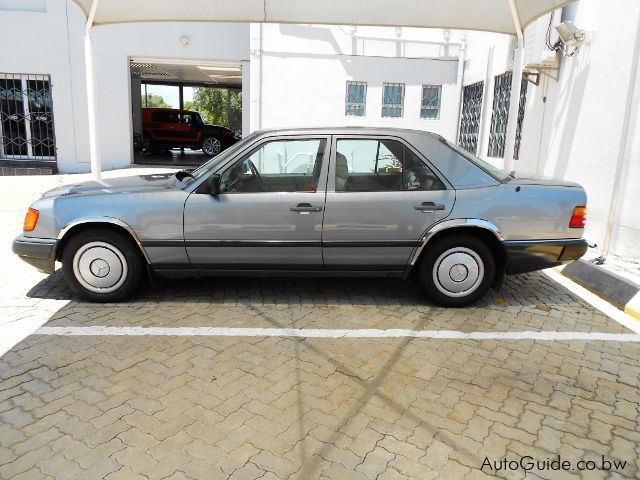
[(154, 101), (212, 104), (216, 107)]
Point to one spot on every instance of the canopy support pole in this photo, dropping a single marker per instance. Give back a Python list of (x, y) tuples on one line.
[(516, 85), (94, 153), (460, 86)]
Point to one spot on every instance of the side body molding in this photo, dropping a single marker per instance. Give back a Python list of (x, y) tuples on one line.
[(450, 224), (111, 220)]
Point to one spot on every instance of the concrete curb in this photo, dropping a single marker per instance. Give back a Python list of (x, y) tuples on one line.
[(615, 289)]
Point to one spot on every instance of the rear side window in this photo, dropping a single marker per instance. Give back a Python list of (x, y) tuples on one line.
[(370, 165)]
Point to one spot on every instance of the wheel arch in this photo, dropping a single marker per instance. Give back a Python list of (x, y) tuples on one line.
[(84, 224), (483, 230)]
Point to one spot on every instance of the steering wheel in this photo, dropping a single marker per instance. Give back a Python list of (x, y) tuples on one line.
[(255, 173)]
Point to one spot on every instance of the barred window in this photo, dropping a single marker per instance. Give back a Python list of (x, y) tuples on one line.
[(356, 99), (26, 117), (500, 116), (430, 105), (393, 100), (470, 116)]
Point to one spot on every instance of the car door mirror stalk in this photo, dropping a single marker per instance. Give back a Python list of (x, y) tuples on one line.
[(215, 184)]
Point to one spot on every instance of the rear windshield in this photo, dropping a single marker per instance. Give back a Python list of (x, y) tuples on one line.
[(478, 162)]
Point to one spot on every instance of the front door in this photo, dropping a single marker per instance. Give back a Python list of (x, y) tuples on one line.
[(269, 212), (381, 198)]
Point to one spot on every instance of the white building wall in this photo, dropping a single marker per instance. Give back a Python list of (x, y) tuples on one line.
[(574, 126), (37, 38), (305, 69), (49, 39), (115, 45)]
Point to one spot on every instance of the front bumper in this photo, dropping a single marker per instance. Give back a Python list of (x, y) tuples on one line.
[(38, 252), (531, 255)]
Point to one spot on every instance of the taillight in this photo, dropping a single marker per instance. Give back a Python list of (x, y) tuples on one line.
[(578, 217), (30, 220)]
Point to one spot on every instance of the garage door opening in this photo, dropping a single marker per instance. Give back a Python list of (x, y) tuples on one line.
[(184, 114)]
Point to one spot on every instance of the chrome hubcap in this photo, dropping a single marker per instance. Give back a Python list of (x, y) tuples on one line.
[(100, 267), (211, 146), (458, 272)]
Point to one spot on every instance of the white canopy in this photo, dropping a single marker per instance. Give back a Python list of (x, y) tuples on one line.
[(500, 16), (487, 15)]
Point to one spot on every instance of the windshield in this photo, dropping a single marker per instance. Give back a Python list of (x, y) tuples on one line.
[(215, 161), (478, 162)]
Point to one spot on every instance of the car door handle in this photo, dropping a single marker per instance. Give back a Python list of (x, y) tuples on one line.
[(305, 207), (429, 206)]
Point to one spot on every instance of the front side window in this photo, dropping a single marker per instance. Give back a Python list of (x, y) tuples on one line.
[(430, 105), (276, 166), (370, 165), (165, 116), (393, 100), (356, 99)]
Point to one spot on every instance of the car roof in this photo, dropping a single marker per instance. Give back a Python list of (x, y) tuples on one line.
[(346, 130), (164, 109)]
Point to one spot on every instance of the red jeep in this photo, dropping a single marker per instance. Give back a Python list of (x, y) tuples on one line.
[(166, 128)]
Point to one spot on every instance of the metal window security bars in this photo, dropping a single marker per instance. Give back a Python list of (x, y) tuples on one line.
[(470, 117), (430, 102), (355, 103), (26, 117), (500, 115), (393, 99)]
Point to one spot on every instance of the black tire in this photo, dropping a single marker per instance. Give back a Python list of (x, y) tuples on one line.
[(438, 261), (211, 146), (149, 146), (97, 251)]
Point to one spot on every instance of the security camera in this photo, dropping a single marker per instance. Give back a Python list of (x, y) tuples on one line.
[(570, 36)]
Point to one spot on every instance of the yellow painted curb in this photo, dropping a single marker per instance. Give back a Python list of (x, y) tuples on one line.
[(633, 307)]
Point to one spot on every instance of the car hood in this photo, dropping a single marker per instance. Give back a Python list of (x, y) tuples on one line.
[(533, 179), (131, 184)]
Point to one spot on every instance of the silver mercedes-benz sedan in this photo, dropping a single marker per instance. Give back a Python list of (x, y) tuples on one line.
[(330, 202)]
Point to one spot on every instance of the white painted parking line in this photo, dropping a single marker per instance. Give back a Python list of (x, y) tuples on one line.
[(335, 333)]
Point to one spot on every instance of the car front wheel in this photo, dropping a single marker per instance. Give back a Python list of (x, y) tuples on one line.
[(211, 146), (101, 265), (457, 270)]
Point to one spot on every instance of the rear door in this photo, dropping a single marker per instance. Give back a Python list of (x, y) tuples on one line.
[(382, 196), (269, 212)]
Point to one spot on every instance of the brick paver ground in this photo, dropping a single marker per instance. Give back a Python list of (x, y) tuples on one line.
[(122, 407)]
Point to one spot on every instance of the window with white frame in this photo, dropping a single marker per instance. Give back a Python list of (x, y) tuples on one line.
[(430, 104), (392, 99), (356, 99)]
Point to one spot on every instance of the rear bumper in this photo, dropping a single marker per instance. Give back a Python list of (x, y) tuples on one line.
[(38, 252), (531, 255)]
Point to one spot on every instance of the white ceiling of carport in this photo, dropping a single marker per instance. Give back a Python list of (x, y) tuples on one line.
[(210, 73)]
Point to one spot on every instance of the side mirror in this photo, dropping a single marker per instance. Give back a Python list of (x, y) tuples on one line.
[(211, 185)]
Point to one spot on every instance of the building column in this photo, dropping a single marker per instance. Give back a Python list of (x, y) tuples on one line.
[(246, 97), (487, 107), (514, 107), (94, 150), (460, 86)]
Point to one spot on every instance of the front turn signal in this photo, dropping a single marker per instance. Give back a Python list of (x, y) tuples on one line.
[(578, 217), (30, 220)]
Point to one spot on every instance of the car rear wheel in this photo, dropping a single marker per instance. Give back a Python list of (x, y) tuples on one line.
[(101, 265), (211, 146), (457, 270)]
